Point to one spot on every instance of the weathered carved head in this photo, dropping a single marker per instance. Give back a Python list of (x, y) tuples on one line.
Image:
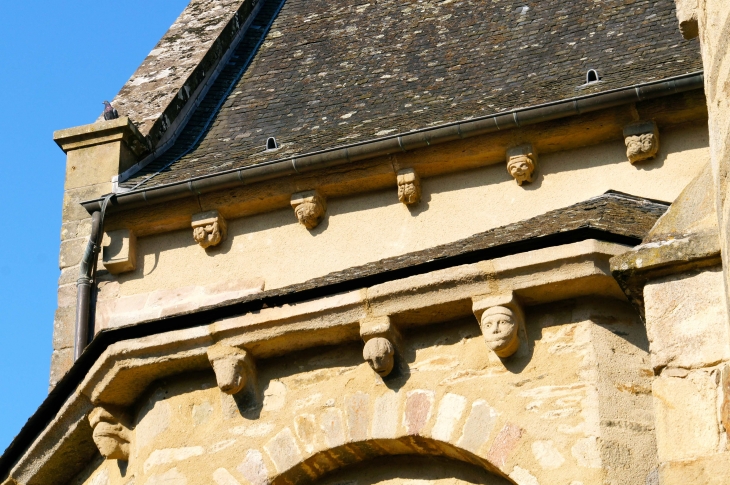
[(229, 374), (409, 187), (229, 365), (309, 214), (209, 228), (208, 235), (379, 353), (641, 147), (642, 140), (500, 327), (309, 207), (110, 435), (521, 162), (521, 168)]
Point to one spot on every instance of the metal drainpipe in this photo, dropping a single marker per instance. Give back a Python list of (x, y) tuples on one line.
[(87, 274)]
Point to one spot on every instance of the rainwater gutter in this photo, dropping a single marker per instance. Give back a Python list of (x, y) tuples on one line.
[(413, 140)]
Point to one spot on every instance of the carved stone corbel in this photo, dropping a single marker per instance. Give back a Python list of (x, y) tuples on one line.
[(309, 207), (111, 432), (209, 228), (234, 368), (409, 186), (642, 140), (521, 163), (120, 254), (382, 340), (502, 322)]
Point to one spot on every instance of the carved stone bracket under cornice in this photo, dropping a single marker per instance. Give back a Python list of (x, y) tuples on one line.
[(521, 163), (234, 368), (642, 141), (409, 186), (309, 207), (502, 321), (111, 432), (209, 228), (120, 255), (127, 368), (382, 339)]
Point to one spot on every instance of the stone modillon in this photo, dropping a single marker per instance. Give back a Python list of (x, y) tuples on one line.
[(379, 352), (232, 367), (209, 228), (521, 163), (501, 320), (642, 141), (381, 339), (500, 327), (111, 434), (309, 207), (409, 186)]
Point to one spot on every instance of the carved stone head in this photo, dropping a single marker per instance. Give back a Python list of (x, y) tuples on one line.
[(110, 435), (309, 214), (500, 327), (521, 168), (208, 235), (409, 187), (309, 208), (642, 140), (379, 353), (229, 365), (521, 163), (209, 228), (641, 147), (229, 374)]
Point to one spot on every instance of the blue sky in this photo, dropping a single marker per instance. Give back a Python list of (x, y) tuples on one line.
[(60, 60)]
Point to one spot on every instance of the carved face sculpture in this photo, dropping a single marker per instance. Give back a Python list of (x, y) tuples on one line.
[(379, 353), (500, 327), (229, 373), (110, 435), (641, 147), (309, 214), (521, 168), (408, 193), (208, 235)]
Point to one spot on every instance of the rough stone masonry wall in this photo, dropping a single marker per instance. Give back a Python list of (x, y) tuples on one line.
[(690, 350), (573, 407), (714, 30), (75, 230)]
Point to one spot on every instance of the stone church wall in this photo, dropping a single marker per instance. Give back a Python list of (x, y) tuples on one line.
[(272, 250), (572, 406)]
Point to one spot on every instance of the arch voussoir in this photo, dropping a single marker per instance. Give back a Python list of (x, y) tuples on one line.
[(326, 461)]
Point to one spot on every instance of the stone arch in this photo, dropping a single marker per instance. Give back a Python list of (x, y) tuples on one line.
[(365, 427), (324, 462)]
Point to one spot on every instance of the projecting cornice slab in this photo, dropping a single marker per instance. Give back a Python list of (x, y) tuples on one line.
[(127, 368)]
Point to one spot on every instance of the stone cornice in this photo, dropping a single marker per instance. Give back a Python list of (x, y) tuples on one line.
[(547, 247), (121, 129), (126, 368)]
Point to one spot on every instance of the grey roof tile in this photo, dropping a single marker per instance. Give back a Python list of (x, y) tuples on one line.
[(329, 73)]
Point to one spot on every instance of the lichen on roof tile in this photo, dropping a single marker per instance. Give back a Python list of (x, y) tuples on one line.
[(331, 73), (163, 73)]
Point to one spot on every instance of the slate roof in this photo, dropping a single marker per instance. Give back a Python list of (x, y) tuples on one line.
[(157, 81), (318, 74)]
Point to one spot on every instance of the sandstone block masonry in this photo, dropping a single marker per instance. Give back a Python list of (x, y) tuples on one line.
[(94, 154), (687, 327), (316, 410)]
